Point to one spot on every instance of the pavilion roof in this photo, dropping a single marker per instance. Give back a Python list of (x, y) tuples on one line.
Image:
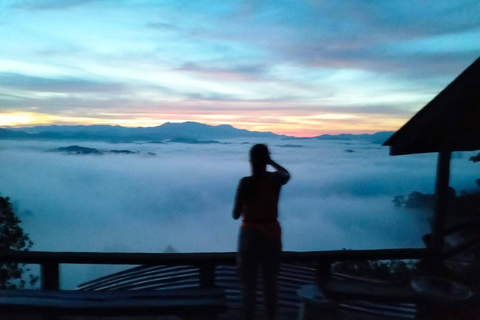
[(450, 122)]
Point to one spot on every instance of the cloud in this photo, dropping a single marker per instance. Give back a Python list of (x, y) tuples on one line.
[(161, 26), (381, 60), (367, 35), (209, 96), (232, 73), (59, 85), (38, 5)]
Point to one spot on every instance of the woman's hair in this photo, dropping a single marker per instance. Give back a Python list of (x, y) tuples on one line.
[(259, 157)]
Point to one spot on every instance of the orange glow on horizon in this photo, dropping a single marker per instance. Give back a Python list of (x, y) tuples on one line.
[(297, 127)]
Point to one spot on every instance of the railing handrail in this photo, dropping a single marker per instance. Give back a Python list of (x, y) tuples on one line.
[(205, 258), (206, 262)]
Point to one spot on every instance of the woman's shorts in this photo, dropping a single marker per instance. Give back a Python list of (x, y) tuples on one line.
[(255, 249)]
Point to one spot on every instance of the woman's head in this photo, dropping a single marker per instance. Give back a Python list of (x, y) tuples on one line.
[(259, 158)]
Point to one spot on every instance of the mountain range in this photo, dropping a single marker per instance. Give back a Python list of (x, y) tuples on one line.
[(191, 131)]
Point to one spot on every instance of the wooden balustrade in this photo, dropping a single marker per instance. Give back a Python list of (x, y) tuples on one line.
[(206, 262)]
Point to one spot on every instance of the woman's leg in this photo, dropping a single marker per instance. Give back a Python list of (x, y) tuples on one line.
[(247, 263), (270, 268), (248, 299)]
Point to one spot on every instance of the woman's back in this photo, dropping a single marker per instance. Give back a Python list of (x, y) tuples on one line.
[(261, 198)]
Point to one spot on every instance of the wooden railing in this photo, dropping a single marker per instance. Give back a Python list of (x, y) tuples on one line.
[(206, 262)]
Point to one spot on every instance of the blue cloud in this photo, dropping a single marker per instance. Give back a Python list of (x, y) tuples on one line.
[(34, 5), (64, 85)]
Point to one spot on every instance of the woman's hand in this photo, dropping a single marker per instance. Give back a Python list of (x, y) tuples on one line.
[(269, 160), (285, 175)]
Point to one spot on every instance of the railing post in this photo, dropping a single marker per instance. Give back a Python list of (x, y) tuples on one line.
[(323, 271), (50, 276), (207, 275)]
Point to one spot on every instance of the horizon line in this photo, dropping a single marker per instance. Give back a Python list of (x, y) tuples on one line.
[(325, 132)]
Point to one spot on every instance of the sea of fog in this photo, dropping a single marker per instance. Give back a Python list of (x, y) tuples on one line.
[(339, 196)]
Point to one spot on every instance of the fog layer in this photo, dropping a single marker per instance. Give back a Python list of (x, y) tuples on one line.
[(184, 195)]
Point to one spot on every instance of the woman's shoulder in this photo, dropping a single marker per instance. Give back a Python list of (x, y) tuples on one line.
[(246, 180), (278, 177)]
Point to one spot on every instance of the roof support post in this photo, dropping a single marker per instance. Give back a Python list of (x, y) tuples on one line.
[(441, 208)]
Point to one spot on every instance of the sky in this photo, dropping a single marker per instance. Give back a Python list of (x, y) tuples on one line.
[(302, 68)]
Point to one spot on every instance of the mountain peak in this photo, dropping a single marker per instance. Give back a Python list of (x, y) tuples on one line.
[(167, 131)]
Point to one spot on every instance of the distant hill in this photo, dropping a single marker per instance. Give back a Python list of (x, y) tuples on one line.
[(10, 134), (79, 150), (193, 131), (76, 150), (379, 137), (193, 141), (186, 132)]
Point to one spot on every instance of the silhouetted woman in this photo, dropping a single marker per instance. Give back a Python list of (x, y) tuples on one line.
[(259, 242)]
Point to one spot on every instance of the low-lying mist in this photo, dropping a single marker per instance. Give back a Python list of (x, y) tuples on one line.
[(183, 196)]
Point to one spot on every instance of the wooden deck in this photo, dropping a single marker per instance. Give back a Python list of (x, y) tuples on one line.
[(343, 315)]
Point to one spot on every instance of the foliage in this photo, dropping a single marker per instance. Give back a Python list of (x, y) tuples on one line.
[(467, 204), (391, 270), (13, 238), (415, 200), (475, 158), (462, 207)]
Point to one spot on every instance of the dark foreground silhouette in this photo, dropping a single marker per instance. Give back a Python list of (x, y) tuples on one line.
[(259, 242)]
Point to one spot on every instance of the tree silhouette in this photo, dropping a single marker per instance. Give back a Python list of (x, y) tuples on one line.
[(463, 205), (13, 238), (475, 158)]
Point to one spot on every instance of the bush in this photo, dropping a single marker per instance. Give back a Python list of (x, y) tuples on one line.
[(12, 238), (392, 270)]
